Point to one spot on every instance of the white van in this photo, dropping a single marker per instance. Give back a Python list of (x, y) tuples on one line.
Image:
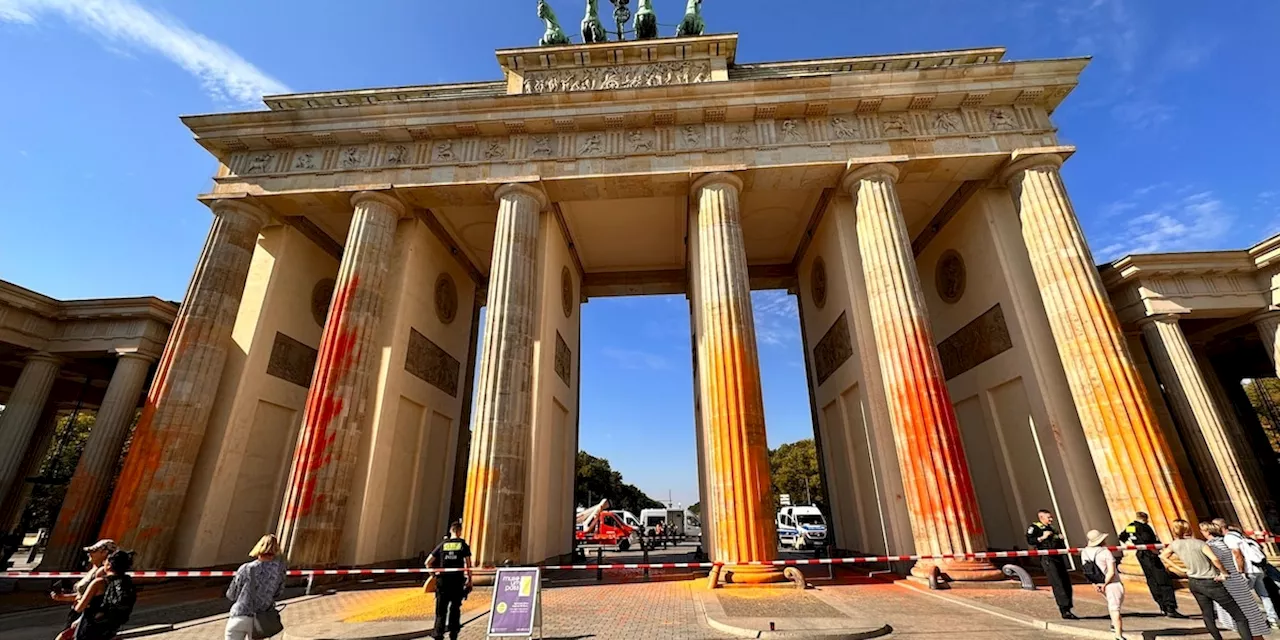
[(801, 527), (672, 521)]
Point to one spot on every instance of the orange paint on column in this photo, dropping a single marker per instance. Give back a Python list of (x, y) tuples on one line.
[(732, 405), (938, 489)]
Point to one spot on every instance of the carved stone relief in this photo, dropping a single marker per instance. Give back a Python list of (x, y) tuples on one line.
[(446, 298), (321, 297), (566, 292), (835, 347), (986, 337), (949, 276), (564, 360), (665, 137), (617, 77), (433, 365), (818, 282), (291, 361)]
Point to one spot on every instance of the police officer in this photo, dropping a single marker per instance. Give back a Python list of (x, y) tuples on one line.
[(1041, 535), (452, 587), (1158, 581)]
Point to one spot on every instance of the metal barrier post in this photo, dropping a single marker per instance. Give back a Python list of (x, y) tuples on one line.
[(599, 561), (646, 561), (831, 566), (311, 583)]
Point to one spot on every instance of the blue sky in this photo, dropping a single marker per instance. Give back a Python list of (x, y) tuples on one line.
[(1175, 120)]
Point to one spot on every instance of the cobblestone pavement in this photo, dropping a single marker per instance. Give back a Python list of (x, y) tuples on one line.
[(655, 610)]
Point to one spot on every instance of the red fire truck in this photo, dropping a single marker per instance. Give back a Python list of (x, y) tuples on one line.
[(599, 525)]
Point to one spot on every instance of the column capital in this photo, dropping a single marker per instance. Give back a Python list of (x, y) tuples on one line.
[(1167, 318), (719, 177), (879, 170), (524, 189), (43, 356), (1023, 162), (381, 197), (136, 355), (240, 209)]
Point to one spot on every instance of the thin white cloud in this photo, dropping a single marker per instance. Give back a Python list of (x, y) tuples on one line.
[(636, 359), (222, 72), (1187, 222), (777, 317)]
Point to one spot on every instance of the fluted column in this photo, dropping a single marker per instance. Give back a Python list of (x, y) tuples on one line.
[(148, 496), (493, 513), (325, 459), (945, 516), (1132, 457), (22, 413), (87, 493), (729, 386), (1268, 324), (1203, 422), (15, 502)]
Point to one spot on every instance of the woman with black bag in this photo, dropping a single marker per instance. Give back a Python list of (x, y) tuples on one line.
[(253, 593)]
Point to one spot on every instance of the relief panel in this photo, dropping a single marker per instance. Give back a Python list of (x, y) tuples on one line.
[(291, 361), (984, 338), (432, 364)]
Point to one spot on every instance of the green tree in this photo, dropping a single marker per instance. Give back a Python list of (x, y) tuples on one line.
[(597, 481), (55, 474), (696, 508), (794, 467)]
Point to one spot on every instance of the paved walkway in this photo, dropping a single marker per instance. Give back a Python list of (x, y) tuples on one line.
[(653, 610)]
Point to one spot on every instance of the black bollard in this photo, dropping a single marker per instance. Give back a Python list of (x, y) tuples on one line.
[(599, 561)]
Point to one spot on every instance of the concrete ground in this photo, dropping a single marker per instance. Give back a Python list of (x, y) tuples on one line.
[(661, 609)]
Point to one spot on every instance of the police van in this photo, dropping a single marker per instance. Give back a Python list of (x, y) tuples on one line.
[(801, 527)]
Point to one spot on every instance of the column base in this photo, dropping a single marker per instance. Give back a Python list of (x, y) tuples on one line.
[(752, 574), (958, 570)]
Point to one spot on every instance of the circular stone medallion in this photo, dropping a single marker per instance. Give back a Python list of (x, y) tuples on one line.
[(950, 276), (446, 298), (566, 292), (321, 297), (818, 282)]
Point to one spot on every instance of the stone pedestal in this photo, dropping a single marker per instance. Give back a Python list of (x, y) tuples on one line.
[(22, 414), (87, 493), (328, 446), (152, 487), (729, 388), (493, 514), (1130, 453), (945, 517)]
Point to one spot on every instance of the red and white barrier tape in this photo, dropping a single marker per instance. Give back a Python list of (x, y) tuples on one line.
[(982, 555)]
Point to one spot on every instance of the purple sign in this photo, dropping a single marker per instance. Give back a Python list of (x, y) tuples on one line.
[(515, 601)]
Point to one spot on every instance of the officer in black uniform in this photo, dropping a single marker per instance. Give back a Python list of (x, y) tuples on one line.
[(1041, 535), (1158, 581), (452, 587)]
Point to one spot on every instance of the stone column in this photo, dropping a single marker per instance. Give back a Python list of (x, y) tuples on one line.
[(87, 493), (945, 517), (328, 446), (1268, 324), (15, 502), (493, 513), (1130, 453), (729, 387), (152, 486), (22, 414)]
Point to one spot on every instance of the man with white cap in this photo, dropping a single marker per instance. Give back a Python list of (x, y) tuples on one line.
[(1104, 569), (98, 554)]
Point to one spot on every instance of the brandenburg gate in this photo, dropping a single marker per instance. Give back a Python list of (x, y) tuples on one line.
[(965, 366)]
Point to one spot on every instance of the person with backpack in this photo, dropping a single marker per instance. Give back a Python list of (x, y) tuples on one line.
[(1099, 567), (108, 602), (1254, 568), (98, 554), (253, 592)]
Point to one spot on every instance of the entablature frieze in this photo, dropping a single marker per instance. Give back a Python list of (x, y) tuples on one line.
[(820, 137)]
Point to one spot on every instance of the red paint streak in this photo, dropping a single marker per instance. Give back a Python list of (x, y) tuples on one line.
[(323, 405), (145, 454)]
